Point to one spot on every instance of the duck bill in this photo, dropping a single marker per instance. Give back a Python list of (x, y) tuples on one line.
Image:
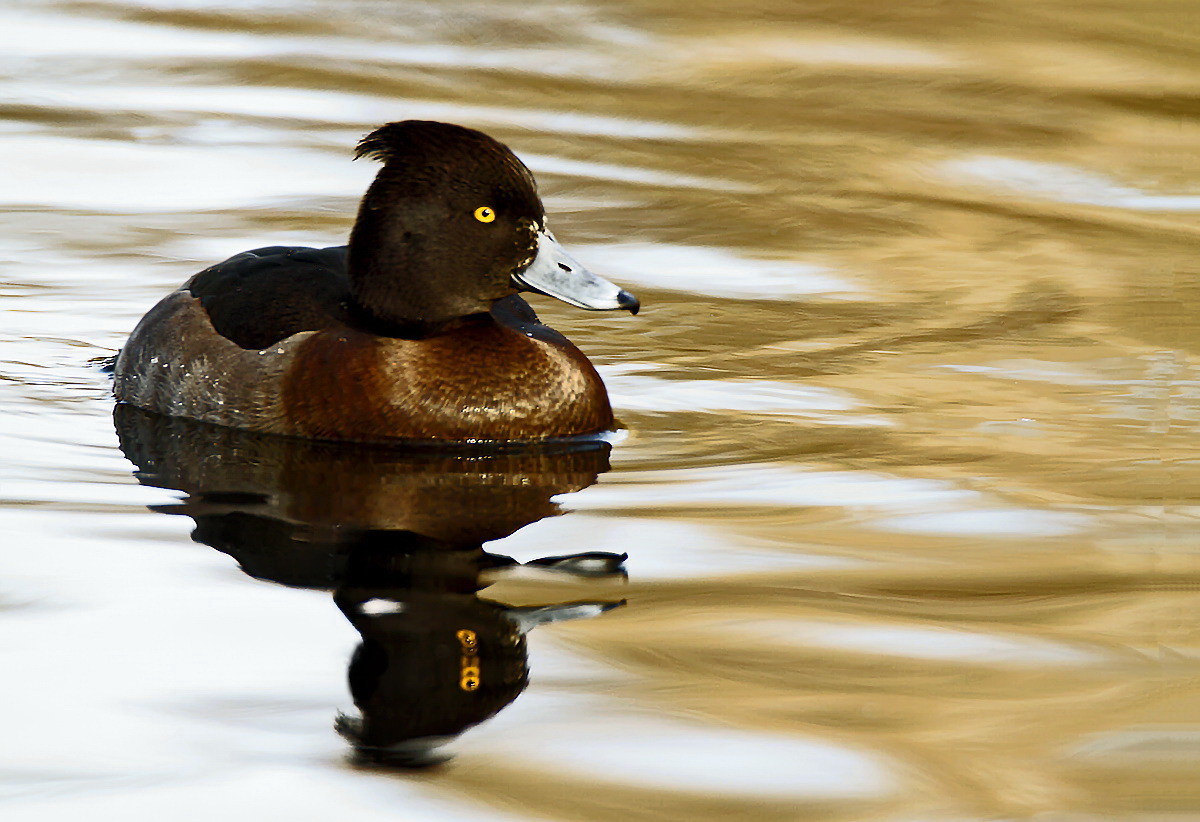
[(555, 273)]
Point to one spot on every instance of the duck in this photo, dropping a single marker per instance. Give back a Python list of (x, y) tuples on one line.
[(415, 330)]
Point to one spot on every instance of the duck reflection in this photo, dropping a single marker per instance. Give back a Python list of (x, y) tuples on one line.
[(397, 535)]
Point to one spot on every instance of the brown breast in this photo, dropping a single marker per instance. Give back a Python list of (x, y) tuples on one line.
[(479, 381)]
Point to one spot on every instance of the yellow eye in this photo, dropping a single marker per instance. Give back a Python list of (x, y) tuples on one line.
[(484, 214)]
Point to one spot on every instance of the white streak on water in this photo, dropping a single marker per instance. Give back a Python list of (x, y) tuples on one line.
[(547, 164), (113, 177), (915, 642), (31, 36), (1063, 183), (717, 272), (641, 392), (327, 106), (1000, 522), (661, 548), (878, 501), (756, 484), (604, 740)]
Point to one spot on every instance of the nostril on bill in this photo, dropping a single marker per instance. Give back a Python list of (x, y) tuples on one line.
[(564, 267)]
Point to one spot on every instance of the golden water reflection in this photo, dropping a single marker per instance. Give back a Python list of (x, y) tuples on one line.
[(910, 472)]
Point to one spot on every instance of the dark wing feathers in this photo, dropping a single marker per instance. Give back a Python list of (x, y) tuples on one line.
[(514, 312), (260, 297)]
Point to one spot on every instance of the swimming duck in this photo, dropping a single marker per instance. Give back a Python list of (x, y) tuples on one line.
[(412, 331)]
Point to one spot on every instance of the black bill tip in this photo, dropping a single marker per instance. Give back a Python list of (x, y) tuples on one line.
[(628, 302)]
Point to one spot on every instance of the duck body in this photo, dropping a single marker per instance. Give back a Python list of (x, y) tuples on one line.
[(496, 376), (414, 331)]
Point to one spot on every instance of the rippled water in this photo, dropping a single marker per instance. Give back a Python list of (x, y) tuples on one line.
[(908, 480)]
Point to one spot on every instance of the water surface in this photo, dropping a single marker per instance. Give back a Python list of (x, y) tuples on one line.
[(908, 478)]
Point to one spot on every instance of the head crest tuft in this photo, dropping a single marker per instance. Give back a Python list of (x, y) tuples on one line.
[(416, 140)]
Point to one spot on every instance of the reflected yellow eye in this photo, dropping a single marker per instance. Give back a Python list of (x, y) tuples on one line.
[(484, 214), (469, 675)]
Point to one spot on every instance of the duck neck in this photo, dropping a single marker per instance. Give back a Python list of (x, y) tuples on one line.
[(383, 289), (403, 275)]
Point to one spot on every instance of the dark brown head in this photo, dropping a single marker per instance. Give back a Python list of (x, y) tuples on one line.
[(451, 216), (452, 223)]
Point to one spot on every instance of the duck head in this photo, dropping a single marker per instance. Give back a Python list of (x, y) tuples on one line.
[(452, 223)]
